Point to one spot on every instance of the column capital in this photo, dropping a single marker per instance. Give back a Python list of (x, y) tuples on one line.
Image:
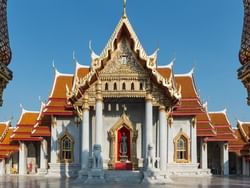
[(148, 97), (99, 97), (162, 108), (85, 104), (99, 85), (170, 121), (99, 90), (194, 121)]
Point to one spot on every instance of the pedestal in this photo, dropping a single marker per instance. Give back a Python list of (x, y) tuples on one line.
[(95, 176), (123, 158), (42, 171), (154, 176)]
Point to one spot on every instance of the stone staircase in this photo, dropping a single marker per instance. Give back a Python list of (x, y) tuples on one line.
[(123, 176)]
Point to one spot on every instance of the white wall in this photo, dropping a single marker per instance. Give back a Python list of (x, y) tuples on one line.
[(184, 125), (63, 124)]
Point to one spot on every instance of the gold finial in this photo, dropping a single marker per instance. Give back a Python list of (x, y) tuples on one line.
[(124, 8)]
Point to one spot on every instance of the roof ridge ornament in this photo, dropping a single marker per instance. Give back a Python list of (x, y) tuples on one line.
[(74, 57), (124, 15)]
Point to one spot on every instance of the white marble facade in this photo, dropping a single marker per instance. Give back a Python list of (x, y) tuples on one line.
[(135, 110)]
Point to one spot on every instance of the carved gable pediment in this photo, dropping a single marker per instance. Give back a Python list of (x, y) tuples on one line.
[(123, 62), (124, 70)]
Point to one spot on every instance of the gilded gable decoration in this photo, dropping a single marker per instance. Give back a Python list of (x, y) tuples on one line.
[(124, 61)]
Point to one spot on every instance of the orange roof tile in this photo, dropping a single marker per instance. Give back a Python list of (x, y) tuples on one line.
[(59, 86), (188, 89), (205, 129), (239, 146), (25, 126), (57, 103), (41, 131), (82, 71), (244, 128), (27, 118), (6, 148), (6, 139), (165, 71), (223, 128), (219, 118), (2, 128)]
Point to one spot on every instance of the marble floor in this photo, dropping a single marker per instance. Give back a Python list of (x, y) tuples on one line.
[(186, 182)]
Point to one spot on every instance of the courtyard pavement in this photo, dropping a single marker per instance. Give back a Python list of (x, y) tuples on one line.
[(14, 181)]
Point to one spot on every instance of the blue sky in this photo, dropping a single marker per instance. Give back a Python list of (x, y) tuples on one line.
[(201, 34)]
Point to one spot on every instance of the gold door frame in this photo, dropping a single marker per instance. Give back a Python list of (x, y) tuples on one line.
[(124, 121)]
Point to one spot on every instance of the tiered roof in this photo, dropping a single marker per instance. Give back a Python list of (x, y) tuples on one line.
[(57, 103), (42, 126), (204, 125), (123, 28), (222, 126), (6, 148), (68, 89), (190, 105), (25, 126), (241, 146)]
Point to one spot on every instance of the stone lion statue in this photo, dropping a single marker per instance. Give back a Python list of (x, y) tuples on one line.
[(151, 156), (97, 158)]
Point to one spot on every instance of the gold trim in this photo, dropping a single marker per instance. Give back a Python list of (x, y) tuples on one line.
[(177, 137), (170, 122), (124, 121), (60, 139), (193, 121)]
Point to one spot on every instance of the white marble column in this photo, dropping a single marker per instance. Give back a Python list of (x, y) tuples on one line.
[(203, 154), (238, 165), (163, 138), (245, 167), (54, 144), (224, 158), (149, 121), (9, 165), (193, 141), (2, 167), (85, 134), (170, 139), (22, 158), (99, 114), (43, 157)]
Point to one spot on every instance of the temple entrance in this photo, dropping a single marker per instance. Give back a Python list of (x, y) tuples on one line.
[(122, 137), (123, 150)]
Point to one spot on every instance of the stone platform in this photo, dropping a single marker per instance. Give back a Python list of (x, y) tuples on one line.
[(187, 170), (123, 176)]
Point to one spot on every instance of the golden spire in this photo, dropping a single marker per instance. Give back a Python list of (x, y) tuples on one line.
[(124, 8)]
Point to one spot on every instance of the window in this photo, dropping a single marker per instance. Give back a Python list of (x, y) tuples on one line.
[(117, 107), (115, 86), (181, 151), (132, 86), (106, 87), (124, 59), (66, 148), (123, 86), (109, 107), (141, 86)]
